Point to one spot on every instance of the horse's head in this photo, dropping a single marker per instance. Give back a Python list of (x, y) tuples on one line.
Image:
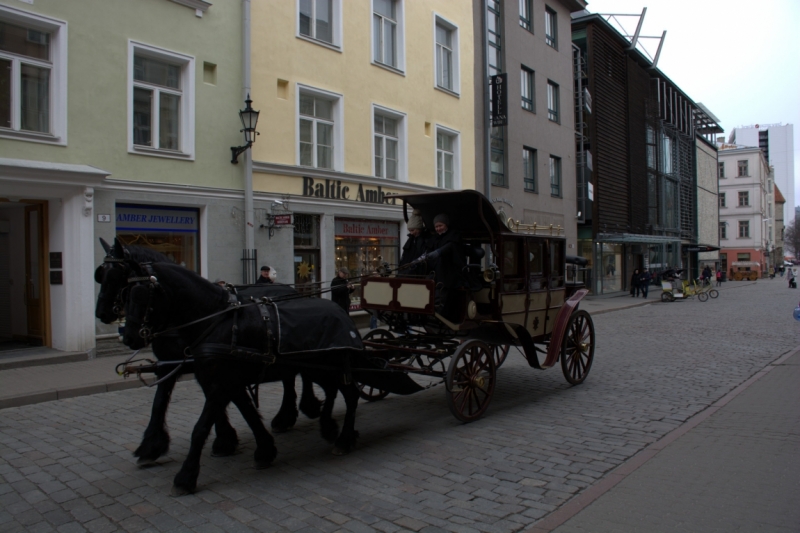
[(112, 276), (146, 307)]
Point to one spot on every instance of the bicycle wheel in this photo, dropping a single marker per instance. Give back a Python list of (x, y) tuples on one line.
[(713, 293), (702, 296)]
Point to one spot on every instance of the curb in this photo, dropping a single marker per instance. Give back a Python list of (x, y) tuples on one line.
[(610, 480)]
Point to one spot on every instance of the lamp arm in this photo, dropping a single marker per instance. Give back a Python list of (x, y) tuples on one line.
[(236, 151)]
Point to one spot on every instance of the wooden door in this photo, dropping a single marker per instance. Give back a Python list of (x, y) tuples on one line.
[(34, 273)]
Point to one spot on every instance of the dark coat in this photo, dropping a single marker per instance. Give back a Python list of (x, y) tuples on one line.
[(645, 278), (262, 279), (340, 294), (412, 249), (448, 262), (636, 279)]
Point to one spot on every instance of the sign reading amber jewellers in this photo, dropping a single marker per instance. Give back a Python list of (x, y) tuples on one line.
[(335, 190)]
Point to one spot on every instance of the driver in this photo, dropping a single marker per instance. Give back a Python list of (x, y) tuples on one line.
[(416, 244)]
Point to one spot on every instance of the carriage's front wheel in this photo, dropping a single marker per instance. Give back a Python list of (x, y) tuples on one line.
[(577, 348), (470, 380), (367, 392)]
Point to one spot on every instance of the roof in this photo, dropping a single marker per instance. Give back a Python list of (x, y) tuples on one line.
[(779, 199)]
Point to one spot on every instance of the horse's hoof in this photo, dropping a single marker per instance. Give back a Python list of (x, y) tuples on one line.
[(281, 429), (263, 459), (180, 491), (311, 408), (144, 462), (223, 448)]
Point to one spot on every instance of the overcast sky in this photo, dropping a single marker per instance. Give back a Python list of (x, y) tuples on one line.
[(737, 57)]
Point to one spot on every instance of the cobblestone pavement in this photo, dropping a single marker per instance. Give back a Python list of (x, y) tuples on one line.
[(66, 465)]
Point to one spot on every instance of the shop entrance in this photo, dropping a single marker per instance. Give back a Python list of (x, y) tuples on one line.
[(34, 273)]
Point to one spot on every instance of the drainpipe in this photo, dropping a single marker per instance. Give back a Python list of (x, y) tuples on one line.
[(249, 226), (487, 167)]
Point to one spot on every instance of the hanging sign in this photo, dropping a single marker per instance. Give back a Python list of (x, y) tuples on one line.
[(498, 84), (366, 228)]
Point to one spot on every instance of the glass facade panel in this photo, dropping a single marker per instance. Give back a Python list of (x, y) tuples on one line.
[(173, 231), (363, 245), (142, 116), (24, 41), (169, 122), (35, 98)]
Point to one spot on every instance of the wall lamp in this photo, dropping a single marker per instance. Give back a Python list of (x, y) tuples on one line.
[(249, 118)]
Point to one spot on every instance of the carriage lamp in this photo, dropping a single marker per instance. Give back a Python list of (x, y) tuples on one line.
[(249, 118)]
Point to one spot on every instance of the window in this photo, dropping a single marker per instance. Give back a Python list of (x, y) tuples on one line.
[(723, 230), (722, 199), (387, 33), (742, 168), (525, 15), (721, 170), (319, 133), (498, 158), (555, 176), (744, 198), (529, 169), (447, 159), (33, 77), (446, 53), (319, 20), (528, 90), (552, 101), (550, 27), (743, 256), (162, 102), (494, 23), (389, 144), (744, 228)]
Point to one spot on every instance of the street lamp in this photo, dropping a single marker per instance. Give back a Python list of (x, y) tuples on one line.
[(249, 118)]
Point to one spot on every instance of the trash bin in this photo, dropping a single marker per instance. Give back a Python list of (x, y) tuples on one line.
[(724, 277)]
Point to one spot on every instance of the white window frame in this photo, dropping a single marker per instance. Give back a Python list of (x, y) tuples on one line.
[(438, 20), (743, 198), (336, 26), (338, 123), (402, 140), (722, 200), (400, 45), (186, 141), (723, 230), (456, 156), (744, 224), (58, 77)]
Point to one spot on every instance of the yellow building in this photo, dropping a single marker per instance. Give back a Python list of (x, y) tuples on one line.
[(358, 99)]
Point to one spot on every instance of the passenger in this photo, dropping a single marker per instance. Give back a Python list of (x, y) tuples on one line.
[(415, 246), (446, 259)]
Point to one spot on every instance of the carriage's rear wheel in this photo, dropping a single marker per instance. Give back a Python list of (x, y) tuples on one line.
[(470, 380), (577, 348), (500, 353), (368, 392)]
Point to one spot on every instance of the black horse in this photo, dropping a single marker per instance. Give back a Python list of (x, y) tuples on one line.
[(234, 346), (112, 276)]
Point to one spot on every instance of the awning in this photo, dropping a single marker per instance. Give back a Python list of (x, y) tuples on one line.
[(699, 248), (635, 237)]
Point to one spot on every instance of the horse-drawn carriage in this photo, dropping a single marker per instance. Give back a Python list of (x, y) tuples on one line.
[(239, 337), (521, 297)]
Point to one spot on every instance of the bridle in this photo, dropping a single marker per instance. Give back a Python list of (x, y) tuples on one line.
[(119, 299), (145, 331)]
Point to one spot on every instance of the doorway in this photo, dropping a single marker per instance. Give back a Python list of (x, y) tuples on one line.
[(36, 286)]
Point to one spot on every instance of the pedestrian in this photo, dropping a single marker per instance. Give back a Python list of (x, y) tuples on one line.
[(267, 275), (341, 288), (783, 270), (644, 282), (635, 282), (719, 277), (790, 277), (771, 272), (707, 275)]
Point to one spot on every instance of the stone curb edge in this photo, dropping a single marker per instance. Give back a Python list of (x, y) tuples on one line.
[(74, 392), (586, 498)]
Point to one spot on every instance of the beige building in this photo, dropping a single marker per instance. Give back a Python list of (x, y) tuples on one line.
[(358, 99)]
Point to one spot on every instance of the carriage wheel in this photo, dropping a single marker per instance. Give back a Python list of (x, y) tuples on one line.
[(470, 380), (667, 297), (713, 293), (577, 349), (702, 296), (500, 352), (368, 392)]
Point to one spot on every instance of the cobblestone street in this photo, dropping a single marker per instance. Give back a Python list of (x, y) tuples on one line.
[(67, 465)]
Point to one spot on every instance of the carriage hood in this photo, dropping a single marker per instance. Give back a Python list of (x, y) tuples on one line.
[(470, 212)]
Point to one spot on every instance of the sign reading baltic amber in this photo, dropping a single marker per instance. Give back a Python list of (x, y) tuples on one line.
[(336, 190)]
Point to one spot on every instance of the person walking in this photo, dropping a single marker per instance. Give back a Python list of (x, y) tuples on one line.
[(707, 275), (719, 277), (636, 279), (341, 289), (644, 282), (790, 277)]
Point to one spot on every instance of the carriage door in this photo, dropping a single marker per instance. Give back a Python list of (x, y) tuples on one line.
[(555, 280), (34, 273), (537, 286)]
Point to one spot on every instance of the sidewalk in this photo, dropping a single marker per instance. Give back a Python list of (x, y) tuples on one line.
[(733, 467), (66, 375)]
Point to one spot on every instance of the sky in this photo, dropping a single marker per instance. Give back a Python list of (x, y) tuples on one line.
[(737, 57)]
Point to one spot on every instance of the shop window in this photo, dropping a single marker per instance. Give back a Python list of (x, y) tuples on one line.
[(536, 273), (555, 272), (513, 268), (306, 253), (364, 245), (172, 231)]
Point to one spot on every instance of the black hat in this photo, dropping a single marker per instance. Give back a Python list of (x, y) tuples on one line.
[(265, 267)]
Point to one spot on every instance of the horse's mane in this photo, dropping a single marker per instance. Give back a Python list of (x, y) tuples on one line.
[(185, 285), (141, 254)]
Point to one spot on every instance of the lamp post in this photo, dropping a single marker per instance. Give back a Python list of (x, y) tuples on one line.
[(249, 117)]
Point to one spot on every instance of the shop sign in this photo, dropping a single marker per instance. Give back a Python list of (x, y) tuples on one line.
[(366, 228), (499, 96), (335, 190), (283, 220), (156, 218)]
